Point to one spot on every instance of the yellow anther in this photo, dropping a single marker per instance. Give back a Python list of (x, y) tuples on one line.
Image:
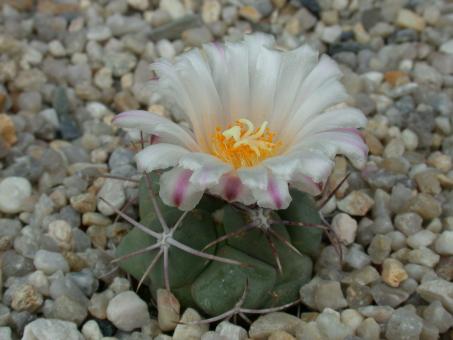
[(242, 145)]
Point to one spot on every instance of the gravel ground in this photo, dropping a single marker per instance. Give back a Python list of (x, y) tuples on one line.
[(67, 67)]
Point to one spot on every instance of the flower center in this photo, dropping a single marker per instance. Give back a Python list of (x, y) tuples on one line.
[(243, 145)]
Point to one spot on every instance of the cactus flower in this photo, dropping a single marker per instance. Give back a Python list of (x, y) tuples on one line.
[(261, 120)]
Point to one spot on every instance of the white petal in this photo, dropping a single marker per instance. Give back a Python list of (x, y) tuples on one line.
[(300, 163), (175, 89), (343, 141), (231, 189), (296, 64), (207, 169), (263, 84), (177, 191), (154, 124), (338, 118), (328, 95), (254, 177), (238, 81), (275, 195), (159, 156)]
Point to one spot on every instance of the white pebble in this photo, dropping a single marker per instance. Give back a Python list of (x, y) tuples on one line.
[(345, 227), (13, 193), (127, 311), (444, 243)]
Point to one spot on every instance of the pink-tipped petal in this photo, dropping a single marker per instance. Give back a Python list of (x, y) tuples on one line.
[(207, 170), (231, 189), (276, 195), (177, 191)]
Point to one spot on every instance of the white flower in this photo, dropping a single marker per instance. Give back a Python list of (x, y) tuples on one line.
[(262, 119)]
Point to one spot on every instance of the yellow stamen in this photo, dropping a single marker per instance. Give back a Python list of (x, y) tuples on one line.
[(243, 145)]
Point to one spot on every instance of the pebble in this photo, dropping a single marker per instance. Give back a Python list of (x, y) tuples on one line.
[(328, 294), (345, 228), (91, 330), (127, 311), (6, 333), (51, 329), (187, 331), (423, 256), (330, 325), (14, 191), (231, 331), (426, 206), (250, 13), (357, 203), (112, 191), (266, 324), (404, 324), (369, 329), (84, 203), (447, 47), (380, 248), (168, 309), (423, 238), (409, 19), (393, 272), (444, 243), (26, 298), (50, 262), (65, 308)]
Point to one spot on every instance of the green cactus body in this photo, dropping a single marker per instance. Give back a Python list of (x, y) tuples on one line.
[(216, 287)]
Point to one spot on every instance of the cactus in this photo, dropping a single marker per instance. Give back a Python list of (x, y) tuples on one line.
[(256, 256)]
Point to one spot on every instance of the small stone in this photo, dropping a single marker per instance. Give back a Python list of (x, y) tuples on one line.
[(440, 161), (428, 182), (61, 232), (351, 318), (380, 248), (112, 192), (409, 19), (57, 49), (410, 139), (91, 330), (330, 325), (99, 33), (358, 295), (197, 36), (281, 335), (265, 325), (14, 191), (447, 47), (345, 228), (50, 262), (231, 331), (120, 285), (190, 331), (99, 302), (436, 315), (384, 295), (423, 256), (393, 272), (369, 329), (103, 78), (168, 309), (84, 202), (173, 7), (6, 333), (127, 311), (408, 223), (140, 5), (331, 34), (250, 13), (65, 308), (437, 290), (328, 294), (423, 238), (404, 324), (426, 206), (357, 203), (26, 298), (444, 243), (94, 218), (50, 329), (210, 12), (374, 144), (166, 49), (394, 149)]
